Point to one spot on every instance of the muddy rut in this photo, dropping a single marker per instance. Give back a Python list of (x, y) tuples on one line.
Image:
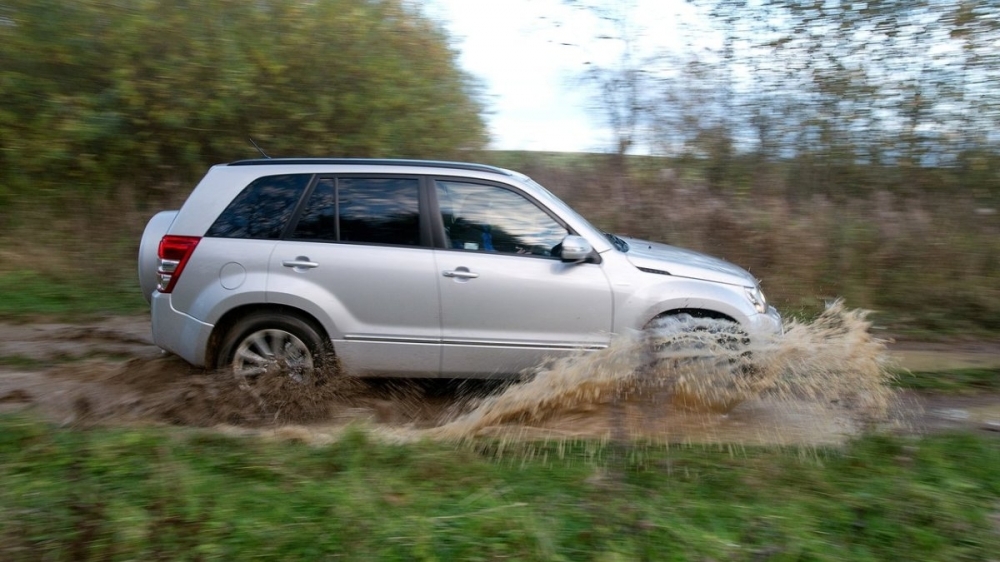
[(818, 384)]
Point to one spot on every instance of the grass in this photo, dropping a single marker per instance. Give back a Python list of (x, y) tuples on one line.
[(150, 493), (952, 381), (23, 362), (29, 294)]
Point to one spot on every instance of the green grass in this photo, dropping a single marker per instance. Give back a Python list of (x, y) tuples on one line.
[(28, 294), (23, 362), (128, 494), (952, 381)]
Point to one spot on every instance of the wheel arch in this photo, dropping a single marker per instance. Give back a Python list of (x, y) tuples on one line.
[(695, 313), (231, 317)]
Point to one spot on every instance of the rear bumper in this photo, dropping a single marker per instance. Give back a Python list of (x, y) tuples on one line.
[(177, 332)]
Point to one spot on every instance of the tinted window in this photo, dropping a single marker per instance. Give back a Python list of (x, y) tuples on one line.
[(262, 209), (370, 210), (319, 220), (492, 219)]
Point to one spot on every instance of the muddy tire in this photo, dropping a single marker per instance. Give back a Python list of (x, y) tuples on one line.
[(264, 343), (704, 361)]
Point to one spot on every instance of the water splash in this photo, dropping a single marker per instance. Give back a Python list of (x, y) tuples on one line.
[(690, 376)]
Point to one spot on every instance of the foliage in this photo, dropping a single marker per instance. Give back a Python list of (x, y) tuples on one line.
[(953, 381), (97, 95), (836, 97), (144, 494)]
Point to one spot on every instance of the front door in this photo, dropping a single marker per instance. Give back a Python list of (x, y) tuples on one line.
[(507, 301)]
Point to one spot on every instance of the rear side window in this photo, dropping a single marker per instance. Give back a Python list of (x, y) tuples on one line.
[(262, 209), (363, 210)]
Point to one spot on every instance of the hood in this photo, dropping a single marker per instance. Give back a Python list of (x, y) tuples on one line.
[(686, 263)]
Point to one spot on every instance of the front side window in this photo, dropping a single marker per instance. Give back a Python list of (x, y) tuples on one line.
[(362, 210), (262, 209), (486, 218)]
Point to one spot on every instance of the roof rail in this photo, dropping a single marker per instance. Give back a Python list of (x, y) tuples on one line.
[(371, 162)]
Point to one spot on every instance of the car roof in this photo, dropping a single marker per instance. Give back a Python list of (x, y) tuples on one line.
[(372, 162)]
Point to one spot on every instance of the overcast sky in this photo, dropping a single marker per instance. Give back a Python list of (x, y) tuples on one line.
[(529, 75), (530, 54)]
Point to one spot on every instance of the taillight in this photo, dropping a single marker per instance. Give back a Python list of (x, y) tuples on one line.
[(173, 255)]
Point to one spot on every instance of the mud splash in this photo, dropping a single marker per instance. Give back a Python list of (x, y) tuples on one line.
[(696, 379)]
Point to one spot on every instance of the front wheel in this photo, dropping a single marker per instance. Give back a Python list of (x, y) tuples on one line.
[(704, 361), (271, 344)]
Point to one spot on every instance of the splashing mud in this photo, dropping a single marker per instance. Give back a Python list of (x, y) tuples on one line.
[(685, 380), (687, 376)]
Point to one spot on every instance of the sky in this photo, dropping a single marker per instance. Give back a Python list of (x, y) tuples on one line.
[(530, 55)]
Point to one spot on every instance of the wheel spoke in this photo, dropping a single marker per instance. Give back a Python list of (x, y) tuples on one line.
[(251, 372), (252, 357), (259, 340), (272, 350)]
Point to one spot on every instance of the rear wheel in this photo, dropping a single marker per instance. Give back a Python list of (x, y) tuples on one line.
[(271, 344)]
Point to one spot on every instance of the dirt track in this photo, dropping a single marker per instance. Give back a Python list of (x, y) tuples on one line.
[(109, 372)]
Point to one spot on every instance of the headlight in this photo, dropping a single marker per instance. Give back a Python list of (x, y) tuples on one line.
[(756, 297)]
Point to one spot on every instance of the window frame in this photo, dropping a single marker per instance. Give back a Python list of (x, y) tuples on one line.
[(438, 230), (424, 228)]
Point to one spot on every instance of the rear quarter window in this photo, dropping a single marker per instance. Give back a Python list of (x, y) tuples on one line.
[(262, 210)]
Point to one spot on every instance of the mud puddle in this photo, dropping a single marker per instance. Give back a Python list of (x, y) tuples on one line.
[(819, 384)]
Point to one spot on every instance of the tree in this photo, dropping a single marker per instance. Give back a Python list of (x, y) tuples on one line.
[(841, 96), (94, 94), (622, 85), (884, 83)]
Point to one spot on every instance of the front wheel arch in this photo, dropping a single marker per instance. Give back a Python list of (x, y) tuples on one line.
[(694, 313)]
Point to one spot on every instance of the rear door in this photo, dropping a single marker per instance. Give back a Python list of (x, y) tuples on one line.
[(507, 300), (360, 253)]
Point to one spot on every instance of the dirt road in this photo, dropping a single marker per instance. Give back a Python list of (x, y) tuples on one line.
[(108, 372)]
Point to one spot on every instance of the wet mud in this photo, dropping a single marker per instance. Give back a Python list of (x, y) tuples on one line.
[(818, 384)]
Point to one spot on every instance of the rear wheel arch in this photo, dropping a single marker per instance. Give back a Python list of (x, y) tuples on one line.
[(233, 317)]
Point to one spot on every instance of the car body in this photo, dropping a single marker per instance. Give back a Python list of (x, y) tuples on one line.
[(409, 268)]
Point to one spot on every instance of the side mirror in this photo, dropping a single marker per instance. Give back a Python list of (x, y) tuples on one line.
[(575, 249)]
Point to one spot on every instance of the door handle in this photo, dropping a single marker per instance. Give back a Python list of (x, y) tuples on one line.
[(459, 274), (300, 263)]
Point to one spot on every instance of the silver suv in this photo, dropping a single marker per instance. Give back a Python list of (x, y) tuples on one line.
[(409, 268)]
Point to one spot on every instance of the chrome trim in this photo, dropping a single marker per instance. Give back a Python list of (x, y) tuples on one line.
[(300, 264), (488, 343), (389, 339), (522, 344)]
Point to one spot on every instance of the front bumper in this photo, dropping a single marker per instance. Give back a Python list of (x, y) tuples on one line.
[(177, 332), (767, 324)]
